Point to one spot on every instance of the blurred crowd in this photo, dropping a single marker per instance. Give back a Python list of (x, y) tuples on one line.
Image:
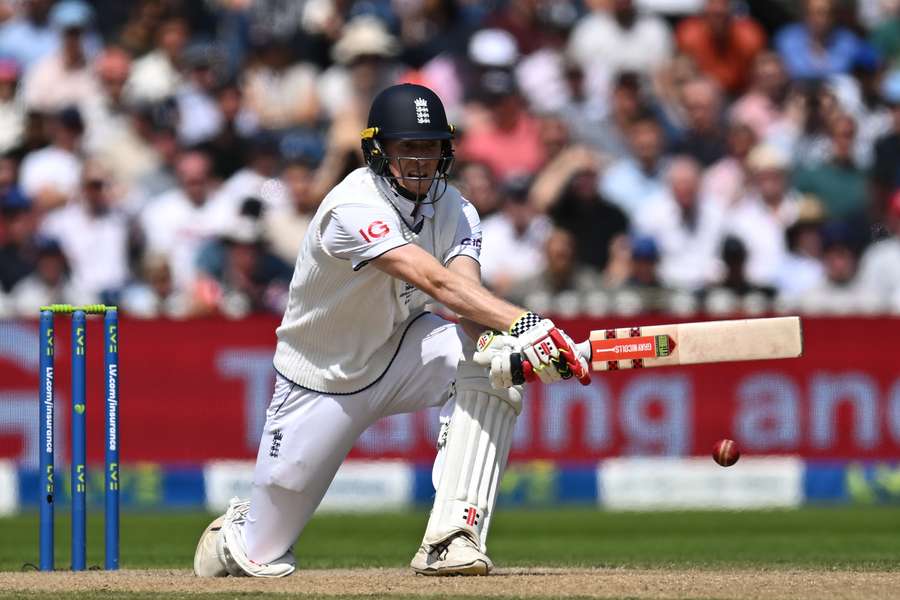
[(624, 155)]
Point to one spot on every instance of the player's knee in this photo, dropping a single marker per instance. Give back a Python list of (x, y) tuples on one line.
[(295, 475), (442, 370)]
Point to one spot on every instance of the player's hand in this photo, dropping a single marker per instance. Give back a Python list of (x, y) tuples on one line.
[(550, 355), (501, 354)]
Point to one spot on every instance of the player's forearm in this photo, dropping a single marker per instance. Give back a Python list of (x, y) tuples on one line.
[(470, 300), (461, 291)]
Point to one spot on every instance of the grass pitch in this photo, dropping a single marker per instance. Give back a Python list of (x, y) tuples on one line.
[(833, 538), (861, 540)]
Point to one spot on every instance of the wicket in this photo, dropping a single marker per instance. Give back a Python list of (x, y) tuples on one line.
[(79, 433)]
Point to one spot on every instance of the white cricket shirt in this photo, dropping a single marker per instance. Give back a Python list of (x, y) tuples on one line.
[(345, 319)]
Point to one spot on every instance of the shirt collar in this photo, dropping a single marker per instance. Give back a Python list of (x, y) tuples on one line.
[(403, 205)]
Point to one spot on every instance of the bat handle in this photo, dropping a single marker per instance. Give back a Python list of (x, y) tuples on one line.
[(584, 349)]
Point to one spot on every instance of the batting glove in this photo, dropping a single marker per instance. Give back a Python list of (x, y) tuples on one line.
[(550, 355)]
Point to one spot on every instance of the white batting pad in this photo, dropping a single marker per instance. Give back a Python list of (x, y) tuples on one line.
[(481, 429)]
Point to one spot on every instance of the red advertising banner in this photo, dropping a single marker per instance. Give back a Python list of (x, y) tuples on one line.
[(193, 391)]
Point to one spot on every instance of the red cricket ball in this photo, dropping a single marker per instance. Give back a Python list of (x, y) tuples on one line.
[(726, 453)]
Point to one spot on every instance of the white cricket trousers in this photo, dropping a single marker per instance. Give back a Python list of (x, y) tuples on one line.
[(308, 434)]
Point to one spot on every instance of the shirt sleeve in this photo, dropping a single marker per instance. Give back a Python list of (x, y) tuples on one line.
[(361, 233), (467, 240)]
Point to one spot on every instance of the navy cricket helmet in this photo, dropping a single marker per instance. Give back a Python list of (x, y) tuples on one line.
[(407, 112)]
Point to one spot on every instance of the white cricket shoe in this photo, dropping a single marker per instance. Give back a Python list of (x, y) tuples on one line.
[(206, 556), (458, 555), (221, 551)]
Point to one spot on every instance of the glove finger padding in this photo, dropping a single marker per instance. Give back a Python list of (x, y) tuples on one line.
[(542, 351), (577, 365), (552, 354), (500, 353)]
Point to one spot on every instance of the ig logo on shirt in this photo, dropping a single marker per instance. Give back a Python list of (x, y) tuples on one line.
[(375, 230)]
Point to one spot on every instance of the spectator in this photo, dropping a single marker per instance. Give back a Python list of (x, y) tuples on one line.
[(817, 47), (256, 180), (567, 191), (687, 228), (839, 291), (510, 139), (562, 273), (29, 36), (886, 38), (18, 250), (157, 75), (702, 137), (645, 268), (64, 77), (106, 114), (610, 134), (838, 183), (177, 223), (802, 269), (726, 179), (761, 218), (93, 235), (285, 226), (542, 73), (513, 240), (667, 101), (238, 274), (49, 283), (153, 294), (885, 171), (628, 182), (160, 176), (477, 184), (620, 40), (880, 266), (199, 115), (364, 57), (491, 50), (51, 175), (279, 92), (553, 132), (11, 195), (735, 278), (811, 107), (12, 112), (723, 45), (130, 151), (764, 105), (236, 128), (522, 19), (859, 95), (430, 29)]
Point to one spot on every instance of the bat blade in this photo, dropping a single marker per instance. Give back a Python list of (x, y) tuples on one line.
[(694, 343)]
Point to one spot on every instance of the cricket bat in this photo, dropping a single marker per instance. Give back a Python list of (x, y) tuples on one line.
[(693, 343)]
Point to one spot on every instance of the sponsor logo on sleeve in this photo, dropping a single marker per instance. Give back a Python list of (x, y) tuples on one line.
[(375, 230)]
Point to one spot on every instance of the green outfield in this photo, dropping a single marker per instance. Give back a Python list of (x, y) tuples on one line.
[(863, 539)]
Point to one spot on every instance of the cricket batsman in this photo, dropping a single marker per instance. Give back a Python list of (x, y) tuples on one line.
[(356, 345)]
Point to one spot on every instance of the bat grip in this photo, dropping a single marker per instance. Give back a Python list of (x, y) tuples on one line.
[(584, 349)]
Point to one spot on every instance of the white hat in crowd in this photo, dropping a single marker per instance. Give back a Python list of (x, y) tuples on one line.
[(364, 36)]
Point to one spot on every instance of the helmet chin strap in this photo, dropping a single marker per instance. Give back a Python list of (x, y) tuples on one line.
[(418, 199)]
